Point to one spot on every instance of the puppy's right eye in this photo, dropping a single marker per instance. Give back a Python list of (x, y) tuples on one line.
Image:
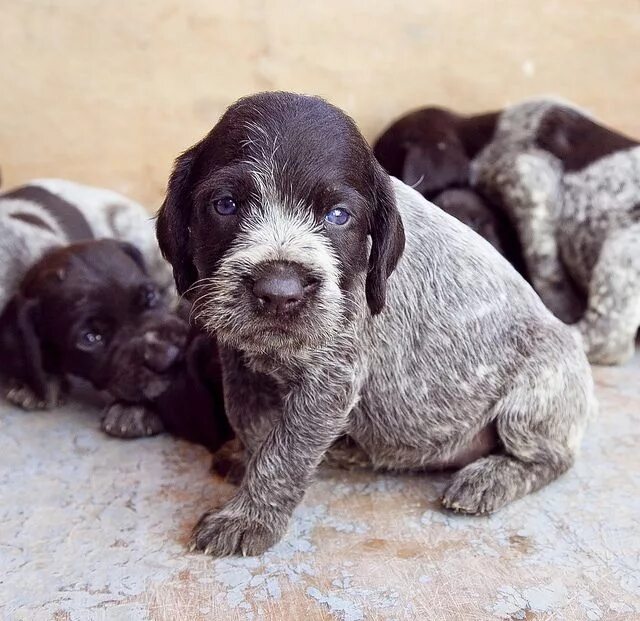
[(225, 206)]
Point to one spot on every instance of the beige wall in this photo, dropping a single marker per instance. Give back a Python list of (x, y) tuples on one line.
[(108, 92)]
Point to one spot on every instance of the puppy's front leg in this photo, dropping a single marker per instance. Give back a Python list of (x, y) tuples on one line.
[(314, 414)]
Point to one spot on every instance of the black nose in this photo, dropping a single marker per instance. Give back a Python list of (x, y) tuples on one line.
[(280, 288), (160, 358)]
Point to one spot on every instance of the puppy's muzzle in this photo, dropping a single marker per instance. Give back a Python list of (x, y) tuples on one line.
[(159, 355), (282, 288)]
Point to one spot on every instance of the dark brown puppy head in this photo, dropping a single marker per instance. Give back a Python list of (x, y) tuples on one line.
[(76, 311), (431, 149), (272, 214)]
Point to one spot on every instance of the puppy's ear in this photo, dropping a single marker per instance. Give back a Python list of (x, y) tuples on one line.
[(387, 240), (435, 167), (172, 228), (20, 348), (135, 254)]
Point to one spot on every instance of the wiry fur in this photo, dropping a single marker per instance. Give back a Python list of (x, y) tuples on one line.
[(572, 189), (446, 357)]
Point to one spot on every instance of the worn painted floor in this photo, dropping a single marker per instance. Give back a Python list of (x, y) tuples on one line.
[(95, 528)]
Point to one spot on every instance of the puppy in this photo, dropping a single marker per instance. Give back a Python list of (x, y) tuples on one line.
[(74, 314), (50, 213), (431, 150), (291, 237), (184, 398), (572, 189)]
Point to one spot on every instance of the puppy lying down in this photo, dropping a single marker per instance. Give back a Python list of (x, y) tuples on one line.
[(346, 305), (90, 310), (564, 186), (571, 186), (73, 314)]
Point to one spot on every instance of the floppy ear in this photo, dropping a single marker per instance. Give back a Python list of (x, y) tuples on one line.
[(436, 167), (20, 351), (135, 254), (172, 227), (387, 240)]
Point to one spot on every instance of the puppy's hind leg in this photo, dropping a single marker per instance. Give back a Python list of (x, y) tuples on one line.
[(539, 422), (612, 319)]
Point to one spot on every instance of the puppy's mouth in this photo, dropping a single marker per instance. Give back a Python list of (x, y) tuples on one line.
[(243, 322)]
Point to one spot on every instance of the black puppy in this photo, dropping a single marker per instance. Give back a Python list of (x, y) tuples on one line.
[(74, 312), (431, 150)]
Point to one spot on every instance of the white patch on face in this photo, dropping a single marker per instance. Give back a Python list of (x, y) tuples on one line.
[(274, 228)]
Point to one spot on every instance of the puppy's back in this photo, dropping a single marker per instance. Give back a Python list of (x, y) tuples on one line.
[(457, 309)]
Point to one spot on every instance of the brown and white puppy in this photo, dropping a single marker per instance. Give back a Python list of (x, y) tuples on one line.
[(572, 189), (76, 313), (347, 305), (51, 213), (431, 150)]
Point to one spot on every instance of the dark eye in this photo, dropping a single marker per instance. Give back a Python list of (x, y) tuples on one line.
[(225, 206), (91, 339), (149, 296), (338, 216)]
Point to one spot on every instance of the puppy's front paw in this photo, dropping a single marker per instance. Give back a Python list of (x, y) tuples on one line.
[(21, 395), (227, 532), (124, 420)]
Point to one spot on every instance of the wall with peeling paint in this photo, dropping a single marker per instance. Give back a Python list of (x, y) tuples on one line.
[(109, 95)]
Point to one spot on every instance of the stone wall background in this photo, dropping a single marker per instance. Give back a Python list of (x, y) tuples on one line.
[(108, 92)]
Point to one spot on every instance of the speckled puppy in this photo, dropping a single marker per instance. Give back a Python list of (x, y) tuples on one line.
[(572, 189), (291, 236)]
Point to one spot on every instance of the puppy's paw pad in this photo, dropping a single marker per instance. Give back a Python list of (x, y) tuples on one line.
[(476, 491), (131, 421), (224, 533)]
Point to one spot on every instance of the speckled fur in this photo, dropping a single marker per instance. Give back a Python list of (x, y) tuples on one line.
[(580, 230), (108, 214), (463, 343)]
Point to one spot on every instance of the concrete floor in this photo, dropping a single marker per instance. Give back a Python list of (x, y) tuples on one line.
[(95, 528)]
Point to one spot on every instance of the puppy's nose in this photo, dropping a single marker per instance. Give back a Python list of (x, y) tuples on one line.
[(161, 358), (280, 288)]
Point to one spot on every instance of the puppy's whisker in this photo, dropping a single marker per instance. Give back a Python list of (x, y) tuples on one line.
[(417, 183)]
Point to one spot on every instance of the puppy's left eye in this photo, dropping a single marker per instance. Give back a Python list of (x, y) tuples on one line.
[(225, 206), (338, 216), (91, 339)]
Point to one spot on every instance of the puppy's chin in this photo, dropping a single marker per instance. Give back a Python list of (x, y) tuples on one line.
[(271, 341), (237, 323)]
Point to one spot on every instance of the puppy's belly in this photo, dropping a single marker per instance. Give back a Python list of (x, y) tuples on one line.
[(395, 457), (483, 443)]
